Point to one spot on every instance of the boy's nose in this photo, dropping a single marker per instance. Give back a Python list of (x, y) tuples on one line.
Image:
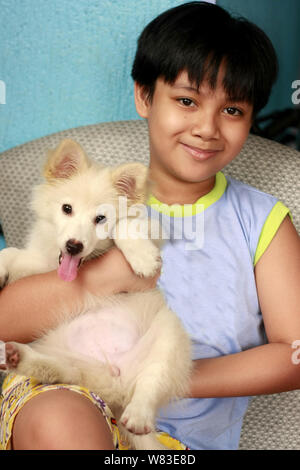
[(206, 127)]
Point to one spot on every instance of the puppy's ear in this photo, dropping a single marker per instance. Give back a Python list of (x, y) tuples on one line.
[(131, 180), (65, 161)]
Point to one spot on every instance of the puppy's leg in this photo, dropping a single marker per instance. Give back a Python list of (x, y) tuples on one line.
[(139, 415), (140, 251), (15, 264), (142, 255), (24, 360), (7, 256), (162, 376), (53, 366)]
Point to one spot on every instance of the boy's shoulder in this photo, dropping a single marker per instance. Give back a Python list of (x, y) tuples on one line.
[(246, 193), (257, 212), (249, 204)]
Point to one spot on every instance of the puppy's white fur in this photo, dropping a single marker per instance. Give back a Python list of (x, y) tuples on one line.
[(147, 360)]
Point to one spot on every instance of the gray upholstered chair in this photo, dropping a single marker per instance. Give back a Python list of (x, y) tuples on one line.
[(272, 421)]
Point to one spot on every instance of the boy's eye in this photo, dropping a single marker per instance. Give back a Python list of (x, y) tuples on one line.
[(233, 111), (187, 102)]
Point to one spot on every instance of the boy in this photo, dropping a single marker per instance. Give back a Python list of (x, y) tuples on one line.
[(200, 78)]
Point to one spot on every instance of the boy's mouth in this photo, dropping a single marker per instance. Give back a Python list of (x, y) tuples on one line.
[(68, 266), (200, 154)]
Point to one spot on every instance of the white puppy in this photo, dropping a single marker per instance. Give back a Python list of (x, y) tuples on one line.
[(129, 348)]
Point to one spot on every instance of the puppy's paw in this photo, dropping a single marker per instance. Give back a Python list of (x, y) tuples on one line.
[(12, 355), (7, 270), (137, 420), (23, 360), (3, 276), (145, 262)]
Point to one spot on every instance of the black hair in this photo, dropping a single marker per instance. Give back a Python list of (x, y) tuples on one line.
[(198, 37)]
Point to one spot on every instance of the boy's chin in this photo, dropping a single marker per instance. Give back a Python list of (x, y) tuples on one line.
[(190, 177)]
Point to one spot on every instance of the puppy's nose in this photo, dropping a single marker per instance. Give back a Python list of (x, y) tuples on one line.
[(74, 247)]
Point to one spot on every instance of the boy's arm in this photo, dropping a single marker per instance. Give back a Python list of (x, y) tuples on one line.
[(31, 304), (268, 368)]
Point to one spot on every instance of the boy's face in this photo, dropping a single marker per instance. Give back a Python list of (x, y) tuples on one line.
[(193, 133)]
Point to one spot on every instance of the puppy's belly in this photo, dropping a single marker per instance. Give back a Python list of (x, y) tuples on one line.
[(106, 334)]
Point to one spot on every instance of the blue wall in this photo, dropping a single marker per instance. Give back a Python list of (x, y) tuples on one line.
[(67, 63)]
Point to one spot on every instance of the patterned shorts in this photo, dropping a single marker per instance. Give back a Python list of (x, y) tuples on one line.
[(18, 390)]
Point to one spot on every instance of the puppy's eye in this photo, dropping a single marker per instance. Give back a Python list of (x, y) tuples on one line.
[(67, 209), (100, 219)]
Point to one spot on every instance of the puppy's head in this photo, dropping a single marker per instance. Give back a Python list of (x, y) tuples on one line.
[(73, 198), (69, 160)]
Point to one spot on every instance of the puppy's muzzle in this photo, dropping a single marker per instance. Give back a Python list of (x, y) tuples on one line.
[(74, 247)]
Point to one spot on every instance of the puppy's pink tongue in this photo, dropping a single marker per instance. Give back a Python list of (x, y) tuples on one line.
[(68, 267)]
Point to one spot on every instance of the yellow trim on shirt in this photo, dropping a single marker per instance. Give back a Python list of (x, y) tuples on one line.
[(178, 210), (271, 225)]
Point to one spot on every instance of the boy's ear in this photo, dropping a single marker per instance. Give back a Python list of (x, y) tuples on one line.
[(65, 161), (141, 98), (131, 180)]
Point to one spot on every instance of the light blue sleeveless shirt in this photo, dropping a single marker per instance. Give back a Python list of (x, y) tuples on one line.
[(208, 281)]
